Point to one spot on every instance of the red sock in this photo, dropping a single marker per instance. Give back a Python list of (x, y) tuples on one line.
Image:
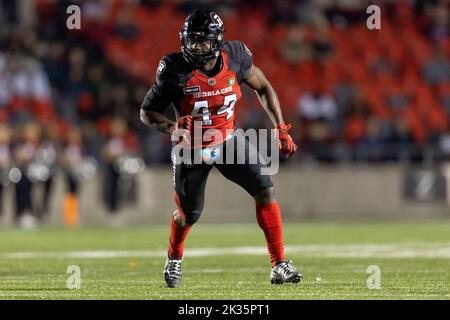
[(176, 241), (177, 233), (269, 219)]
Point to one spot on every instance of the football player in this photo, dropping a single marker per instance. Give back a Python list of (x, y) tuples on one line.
[(203, 82)]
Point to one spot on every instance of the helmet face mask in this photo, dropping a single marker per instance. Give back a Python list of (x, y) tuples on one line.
[(202, 37)]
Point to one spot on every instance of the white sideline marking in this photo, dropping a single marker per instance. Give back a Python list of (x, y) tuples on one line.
[(393, 250)]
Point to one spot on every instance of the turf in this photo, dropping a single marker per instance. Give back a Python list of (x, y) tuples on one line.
[(404, 274)]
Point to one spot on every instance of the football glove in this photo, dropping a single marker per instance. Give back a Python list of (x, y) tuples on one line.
[(184, 122), (286, 145)]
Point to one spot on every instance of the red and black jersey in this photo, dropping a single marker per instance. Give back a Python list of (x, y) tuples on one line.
[(209, 99)]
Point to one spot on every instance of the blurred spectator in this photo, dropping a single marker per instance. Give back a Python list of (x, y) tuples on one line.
[(444, 145), (125, 27), (322, 45), (372, 145), (4, 87), (440, 25), (46, 155), (294, 49), (317, 110), (119, 146), (71, 161), (444, 96), (5, 160), (397, 99), (355, 126), (94, 9), (437, 69), (54, 64), (26, 174), (401, 140), (343, 13)]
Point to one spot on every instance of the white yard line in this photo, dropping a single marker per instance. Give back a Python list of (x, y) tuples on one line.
[(392, 250)]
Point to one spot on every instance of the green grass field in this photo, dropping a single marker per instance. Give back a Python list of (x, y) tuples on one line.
[(229, 262)]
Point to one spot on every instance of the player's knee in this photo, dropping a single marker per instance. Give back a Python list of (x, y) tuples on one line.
[(265, 196), (188, 219)]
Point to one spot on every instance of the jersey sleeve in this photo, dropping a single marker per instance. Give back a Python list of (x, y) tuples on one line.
[(164, 91), (240, 59), (246, 62)]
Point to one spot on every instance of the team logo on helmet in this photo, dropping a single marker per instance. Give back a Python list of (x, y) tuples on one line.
[(217, 21)]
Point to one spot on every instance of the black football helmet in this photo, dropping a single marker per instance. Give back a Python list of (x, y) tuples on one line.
[(202, 25)]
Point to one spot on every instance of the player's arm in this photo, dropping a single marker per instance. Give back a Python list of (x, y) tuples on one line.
[(269, 101), (159, 97), (163, 124), (156, 120)]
